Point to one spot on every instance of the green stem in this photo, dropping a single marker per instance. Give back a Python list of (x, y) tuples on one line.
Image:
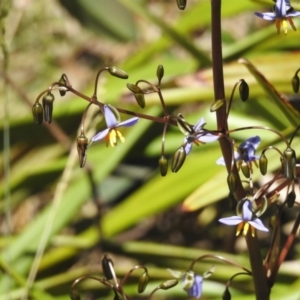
[(262, 290)]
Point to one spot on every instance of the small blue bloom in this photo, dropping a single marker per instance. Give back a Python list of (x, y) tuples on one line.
[(198, 136), (283, 13), (111, 133), (246, 221), (192, 283), (246, 152)]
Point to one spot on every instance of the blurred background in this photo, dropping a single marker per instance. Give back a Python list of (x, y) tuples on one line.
[(56, 219)]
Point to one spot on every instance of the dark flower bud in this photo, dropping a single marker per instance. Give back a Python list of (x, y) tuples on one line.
[(168, 284), (289, 163), (134, 88), (163, 165), (82, 143), (38, 113), (263, 164), (183, 125), (231, 181), (290, 199), (226, 295), (160, 73), (48, 107), (107, 266), (178, 159), (295, 83), (244, 90), (74, 294), (143, 281), (245, 169), (140, 99), (62, 89), (117, 72), (216, 105), (181, 4)]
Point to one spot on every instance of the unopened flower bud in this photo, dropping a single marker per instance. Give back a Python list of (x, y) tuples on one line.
[(143, 281), (295, 83), (48, 107), (160, 73), (134, 88), (82, 143), (74, 294), (178, 159), (163, 165), (117, 72), (38, 113), (263, 164), (244, 90), (107, 266), (217, 105), (181, 4), (183, 125), (168, 284), (289, 163), (62, 89), (140, 99), (226, 295), (231, 181), (290, 199), (245, 169)]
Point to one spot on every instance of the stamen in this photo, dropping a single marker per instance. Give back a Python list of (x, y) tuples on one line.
[(292, 23)]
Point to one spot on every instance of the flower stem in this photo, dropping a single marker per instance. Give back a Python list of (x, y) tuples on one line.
[(262, 290)]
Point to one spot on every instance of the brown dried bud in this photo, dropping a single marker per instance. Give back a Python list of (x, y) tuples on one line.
[(163, 165), (263, 164), (38, 113), (48, 107), (160, 73), (181, 4), (82, 143), (290, 199), (295, 83), (244, 90), (178, 159), (143, 281), (168, 284), (114, 71), (231, 181), (226, 295), (62, 90)]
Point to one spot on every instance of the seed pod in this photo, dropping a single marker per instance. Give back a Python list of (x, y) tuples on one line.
[(163, 165), (245, 169), (143, 281), (263, 164), (107, 266), (217, 105), (295, 83), (82, 143), (178, 159), (226, 295), (289, 163), (38, 113), (48, 107), (181, 4), (160, 73), (168, 284), (244, 90), (290, 199), (114, 71), (74, 294), (231, 181)]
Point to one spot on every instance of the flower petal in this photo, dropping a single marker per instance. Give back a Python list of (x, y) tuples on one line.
[(247, 212), (187, 147), (208, 138), (101, 135), (196, 289), (258, 224), (128, 123), (110, 118), (269, 16), (200, 123), (234, 220)]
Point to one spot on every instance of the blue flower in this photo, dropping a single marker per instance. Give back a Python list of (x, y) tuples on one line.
[(110, 134), (283, 13), (246, 152), (197, 136), (192, 283), (246, 221)]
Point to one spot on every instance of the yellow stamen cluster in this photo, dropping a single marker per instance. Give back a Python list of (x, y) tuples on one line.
[(112, 136), (244, 228), (283, 23)]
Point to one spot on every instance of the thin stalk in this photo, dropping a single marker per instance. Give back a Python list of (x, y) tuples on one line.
[(262, 290)]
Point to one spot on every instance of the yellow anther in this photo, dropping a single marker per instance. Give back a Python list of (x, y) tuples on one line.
[(112, 136)]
